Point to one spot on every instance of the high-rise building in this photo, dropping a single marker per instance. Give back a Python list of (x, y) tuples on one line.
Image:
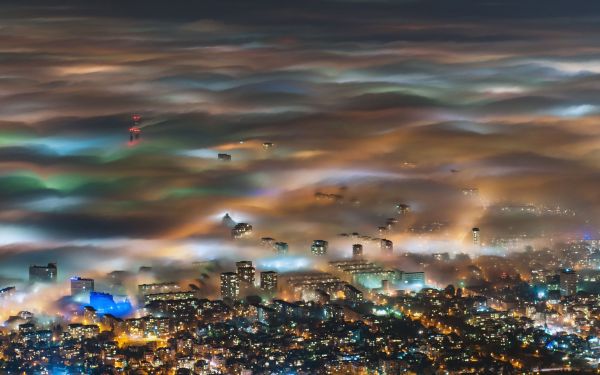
[(387, 246), (81, 286), (402, 208), (357, 251), (267, 242), (390, 222), (476, 237), (553, 282), (224, 157), (319, 247), (241, 230), (568, 282), (228, 221), (245, 272), (281, 247), (230, 285), (268, 281), (43, 274)]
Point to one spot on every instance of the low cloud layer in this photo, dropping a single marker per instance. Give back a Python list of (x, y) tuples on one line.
[(380, 102)]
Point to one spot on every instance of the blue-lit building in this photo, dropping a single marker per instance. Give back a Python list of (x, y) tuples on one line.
[(105, 303)]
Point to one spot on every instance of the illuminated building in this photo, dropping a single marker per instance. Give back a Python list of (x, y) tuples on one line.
[(43, 274), (166, 287), (357, 251), (282, 248), (306, 285), (364, 273), (26, 328), (80, 331), (390, 222), (352, 294), (25, 315), (387, 246), (89, 314), (105, 303), (553, 283), (40, 336), (268, 281), (267, 242), (568, 282), (245, 271), (592, 245), (321, 296), (476, 237), (7, 292), (289, 310), (241, 230), (416, 279), (593, 259), (264, 314), (470, 192), (155, 326), (372, 279), (444, 257), (81, 286), (230, 285), (319, 247), (224, 157), (539, 276), (135, 327), (174, 308), (403, 208), (168, 296), (515, 209)]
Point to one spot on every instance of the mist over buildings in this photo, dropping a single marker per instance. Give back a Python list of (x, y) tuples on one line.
[(470, 123)]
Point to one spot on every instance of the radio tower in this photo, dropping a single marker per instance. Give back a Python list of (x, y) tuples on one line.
[(135, 131)]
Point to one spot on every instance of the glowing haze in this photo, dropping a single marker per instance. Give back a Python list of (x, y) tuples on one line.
[(378, 102)]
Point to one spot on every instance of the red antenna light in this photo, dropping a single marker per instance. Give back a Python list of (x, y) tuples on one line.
[(135, 131)]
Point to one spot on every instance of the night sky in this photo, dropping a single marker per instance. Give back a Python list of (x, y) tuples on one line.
[(382, 102)]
